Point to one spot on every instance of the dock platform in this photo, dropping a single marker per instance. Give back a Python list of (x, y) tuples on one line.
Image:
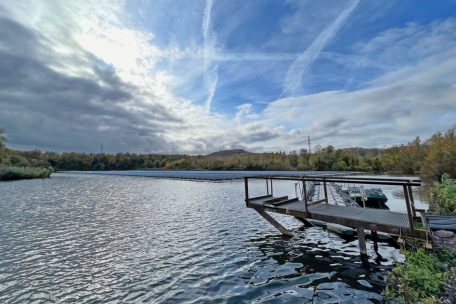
[(372, 219), (304, 208)]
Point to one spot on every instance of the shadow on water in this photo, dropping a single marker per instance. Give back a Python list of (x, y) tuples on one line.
[(312, 268)]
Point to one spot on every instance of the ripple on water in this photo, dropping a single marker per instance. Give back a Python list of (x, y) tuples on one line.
[(90, 238)]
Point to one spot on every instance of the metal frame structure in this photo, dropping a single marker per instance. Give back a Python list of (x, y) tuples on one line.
[(371, 219)]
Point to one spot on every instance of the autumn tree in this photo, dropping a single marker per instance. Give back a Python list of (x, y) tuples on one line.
[(441, 155)]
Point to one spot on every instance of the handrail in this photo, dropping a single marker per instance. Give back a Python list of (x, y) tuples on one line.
[(413, 179), (370, 181)]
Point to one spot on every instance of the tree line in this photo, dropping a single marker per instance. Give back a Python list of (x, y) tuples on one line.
[(432, 157)]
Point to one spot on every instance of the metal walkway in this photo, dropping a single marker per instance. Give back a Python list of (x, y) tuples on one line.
[(372, 219), (307, 205), (336, 206), (373, 216)]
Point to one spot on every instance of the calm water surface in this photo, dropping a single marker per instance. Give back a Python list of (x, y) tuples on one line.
[(98, 238)]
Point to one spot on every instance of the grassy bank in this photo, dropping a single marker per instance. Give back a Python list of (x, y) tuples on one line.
[(421, 278), (8, 173)]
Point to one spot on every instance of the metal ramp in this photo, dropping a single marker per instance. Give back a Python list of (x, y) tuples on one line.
[(340, 197)]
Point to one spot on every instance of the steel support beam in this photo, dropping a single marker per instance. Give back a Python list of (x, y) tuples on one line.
[(306, 207), (409, 209), (274, 223), (412, 201)]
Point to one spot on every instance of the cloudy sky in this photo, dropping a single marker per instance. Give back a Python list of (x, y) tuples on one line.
[(200, 76)]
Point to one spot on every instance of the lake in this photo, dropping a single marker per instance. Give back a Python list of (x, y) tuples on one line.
[(106, 238)]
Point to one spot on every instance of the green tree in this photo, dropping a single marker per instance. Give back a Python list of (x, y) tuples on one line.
[(19, 161), (293, 159)]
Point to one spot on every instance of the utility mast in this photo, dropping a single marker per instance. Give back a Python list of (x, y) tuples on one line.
[(101, 148), (308, 143)]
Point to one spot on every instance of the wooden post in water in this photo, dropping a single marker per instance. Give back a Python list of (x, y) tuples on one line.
[(326, 191), (362, 241), (305, 196), (374, 235), (409, 209)]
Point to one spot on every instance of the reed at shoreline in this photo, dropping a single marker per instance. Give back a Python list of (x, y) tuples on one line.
[(9, 173)]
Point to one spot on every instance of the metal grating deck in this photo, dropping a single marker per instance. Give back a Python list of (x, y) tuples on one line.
[(368, 215), (374, 216)]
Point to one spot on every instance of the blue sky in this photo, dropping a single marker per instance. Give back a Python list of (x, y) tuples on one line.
[(199, 76)]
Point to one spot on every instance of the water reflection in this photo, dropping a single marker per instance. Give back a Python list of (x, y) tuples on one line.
[(87, 238)]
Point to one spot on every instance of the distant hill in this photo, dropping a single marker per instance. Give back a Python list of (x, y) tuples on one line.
[(229, 152)]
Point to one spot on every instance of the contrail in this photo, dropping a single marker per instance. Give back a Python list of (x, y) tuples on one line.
[(206, 45), (207, 19), (305, 60), (211, 87), (214, 55), (254, 56)]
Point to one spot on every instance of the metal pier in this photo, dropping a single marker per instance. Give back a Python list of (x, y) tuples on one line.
[(344, 211)]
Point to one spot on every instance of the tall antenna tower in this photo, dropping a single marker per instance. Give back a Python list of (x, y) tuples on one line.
[(308, 143)]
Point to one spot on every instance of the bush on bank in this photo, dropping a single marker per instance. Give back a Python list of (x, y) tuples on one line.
[(443, 197), (421, 278), (8, 173)]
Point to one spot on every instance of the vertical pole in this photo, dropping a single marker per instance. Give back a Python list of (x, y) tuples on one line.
[(362, 241), (374, 235), (409, 211), (326, 191), (412, 201), (246, 187), (272, 191), (305, 195), (267, 187)]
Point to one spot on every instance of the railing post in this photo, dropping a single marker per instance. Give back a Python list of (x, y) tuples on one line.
[(412, 201), (272, 191), (305, 195), (246, 186), (326, 190), (409, 210), (267, 187)]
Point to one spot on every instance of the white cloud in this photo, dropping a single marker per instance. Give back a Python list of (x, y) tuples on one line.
[(88, 78), (389, 113)]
